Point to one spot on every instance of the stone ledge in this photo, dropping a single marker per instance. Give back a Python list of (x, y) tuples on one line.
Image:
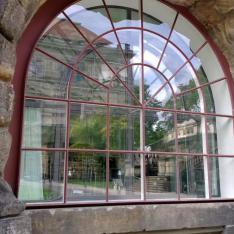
[(124, 219), (16, 225)]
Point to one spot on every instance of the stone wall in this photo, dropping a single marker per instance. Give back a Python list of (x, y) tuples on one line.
[(217, 16)]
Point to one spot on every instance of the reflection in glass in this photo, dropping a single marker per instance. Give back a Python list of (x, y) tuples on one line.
[(124, 129), (125, 178), (129, 93), (41, 176), (220, 135), (87, 90), (46, 77), (190, 133), (62, 41), (172, 60), (160, 177), (153, 48), (189, 101), (86, 177), (222, 174), (81, 13), (87, 126), (44, 124), (91, 64), (159, 131), (192, 183)]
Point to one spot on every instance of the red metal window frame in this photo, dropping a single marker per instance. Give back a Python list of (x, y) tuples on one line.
[(25, 47)]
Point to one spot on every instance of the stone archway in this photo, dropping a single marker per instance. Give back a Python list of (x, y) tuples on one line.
[(216, 15)]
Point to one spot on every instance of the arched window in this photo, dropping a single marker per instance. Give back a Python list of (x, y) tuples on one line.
[(125, 101)]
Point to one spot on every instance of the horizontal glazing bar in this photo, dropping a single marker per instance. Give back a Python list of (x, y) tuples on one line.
[(129, 151), (130, 106)]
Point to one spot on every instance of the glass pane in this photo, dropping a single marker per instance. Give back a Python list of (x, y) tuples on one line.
[(87, 126), (44, 124), (123, 15), (192, 182), (111, 51), (190, 101), (129, 93), (62, 40), (163, 96), (131, 40), (220, 135), (125, 178), (153, 82), (214, 103), (153, 48), (165, 17), (160, 177), (124, 129), (86, 177), (186, 36), (222, 177), (87, 90), (185, 79), (46, 77), (172, 61), (81, 13), (191, 133), (93, 66), (41, 176), (208, 64), (159, 131)]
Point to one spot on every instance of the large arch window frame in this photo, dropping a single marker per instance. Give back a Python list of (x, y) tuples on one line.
[(142, 104)]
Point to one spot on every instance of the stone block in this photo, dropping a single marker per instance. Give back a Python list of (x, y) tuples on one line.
[(9, 205), (12, 19), (5, 145), (6, 104), (16, 225), (7, 57), (30, 7)]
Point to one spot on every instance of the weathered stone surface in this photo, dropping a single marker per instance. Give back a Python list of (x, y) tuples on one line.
[(6, 103), (6, 73), (5, 144), (9, 205), (30, 7), (16, 225), (12, 19), (124, 219), (7, 57)]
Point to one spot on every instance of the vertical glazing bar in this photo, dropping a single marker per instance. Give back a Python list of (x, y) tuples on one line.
[(67, 136), (205, 144), (207, 158), (177, 150), (142, 111), (165, 47), (108, 145)]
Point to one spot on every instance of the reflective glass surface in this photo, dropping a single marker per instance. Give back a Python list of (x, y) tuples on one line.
[(41, 176)]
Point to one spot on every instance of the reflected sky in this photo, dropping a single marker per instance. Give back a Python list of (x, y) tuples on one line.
[(153, 47)]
